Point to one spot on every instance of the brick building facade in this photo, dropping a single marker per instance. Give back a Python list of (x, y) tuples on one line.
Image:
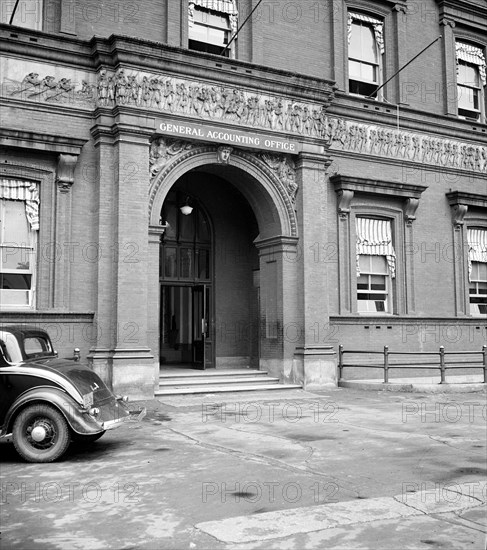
[(331, 200)]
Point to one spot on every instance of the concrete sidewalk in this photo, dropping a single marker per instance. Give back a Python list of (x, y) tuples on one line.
[(338, 469), (421, 384)]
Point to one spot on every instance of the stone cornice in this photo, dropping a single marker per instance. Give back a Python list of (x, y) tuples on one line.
[(382, 187), (41, 142), (143, 55), (46, 47), (467, 199), (469, 13)]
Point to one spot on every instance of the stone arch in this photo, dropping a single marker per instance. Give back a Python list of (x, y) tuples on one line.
[(264, 191)]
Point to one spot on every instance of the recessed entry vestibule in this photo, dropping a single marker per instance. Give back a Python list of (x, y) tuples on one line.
[(208, 266)]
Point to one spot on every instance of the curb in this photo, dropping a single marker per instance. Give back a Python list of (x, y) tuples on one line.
[(289, 522), (413, 386)]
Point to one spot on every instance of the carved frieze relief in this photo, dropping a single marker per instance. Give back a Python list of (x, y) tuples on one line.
[(41, 83), (400, 144), (201, 100)]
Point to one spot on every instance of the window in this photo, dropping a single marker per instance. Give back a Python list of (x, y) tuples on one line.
[(376, 261), (477, 264), (471, 80), (365, 48), (36, 345), (19, 207), (211, 25), (372, 285), (28, 13), (185, 250)]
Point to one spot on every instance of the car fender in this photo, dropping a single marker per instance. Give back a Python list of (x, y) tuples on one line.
[(79, 420)]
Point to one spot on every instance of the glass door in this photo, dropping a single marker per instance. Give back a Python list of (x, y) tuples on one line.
[(202, 341)]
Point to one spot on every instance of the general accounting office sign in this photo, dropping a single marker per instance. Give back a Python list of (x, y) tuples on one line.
[(205, 132)]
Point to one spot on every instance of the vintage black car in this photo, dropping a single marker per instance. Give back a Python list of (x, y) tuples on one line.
[(46, 402)]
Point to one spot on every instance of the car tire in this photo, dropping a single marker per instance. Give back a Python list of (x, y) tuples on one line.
[(40, 433)]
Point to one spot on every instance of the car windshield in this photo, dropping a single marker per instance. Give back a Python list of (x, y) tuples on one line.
[(10, 347)]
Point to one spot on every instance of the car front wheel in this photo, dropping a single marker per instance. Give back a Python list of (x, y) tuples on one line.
[(40, 433)]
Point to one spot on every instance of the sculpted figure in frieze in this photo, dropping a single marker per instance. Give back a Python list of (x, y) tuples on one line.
[(396, 143)]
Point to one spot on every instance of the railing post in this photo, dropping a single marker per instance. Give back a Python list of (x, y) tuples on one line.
[(386, 364), (340, 361), (484, 354), (442, 364)]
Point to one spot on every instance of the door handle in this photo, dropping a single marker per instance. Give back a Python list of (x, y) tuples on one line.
[(203, 327)]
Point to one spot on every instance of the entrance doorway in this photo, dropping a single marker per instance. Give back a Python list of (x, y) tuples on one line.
[(185, 325), (186, 297)]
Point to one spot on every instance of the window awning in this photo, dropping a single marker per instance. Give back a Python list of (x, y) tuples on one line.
[(22, 190), (374, 238), (474, 55), (223, 6), (228, 7), (377, 24), (477, 247)]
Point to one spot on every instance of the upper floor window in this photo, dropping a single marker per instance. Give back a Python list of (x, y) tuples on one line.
[(26, 13), (477, 270), (212, 23), (376, 266), (19, 223), (471, 80), (365, 50)]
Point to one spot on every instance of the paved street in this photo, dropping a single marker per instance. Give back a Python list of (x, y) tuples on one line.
[(338, 469)]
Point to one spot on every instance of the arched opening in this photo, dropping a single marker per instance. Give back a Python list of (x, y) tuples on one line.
[(208, 274), (253, 259)]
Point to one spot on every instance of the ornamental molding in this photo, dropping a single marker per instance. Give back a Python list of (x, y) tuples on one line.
[(284, 169), (182, 151), (393, 143), (163, 151)]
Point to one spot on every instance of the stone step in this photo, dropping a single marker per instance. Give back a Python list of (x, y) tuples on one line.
[(213, 374), (214, 382), (224, 388)]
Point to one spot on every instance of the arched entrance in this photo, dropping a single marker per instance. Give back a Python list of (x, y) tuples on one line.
[(208, 274), (222, 270)]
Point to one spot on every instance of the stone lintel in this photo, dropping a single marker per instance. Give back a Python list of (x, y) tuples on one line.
[(41, 142), (381, 187)]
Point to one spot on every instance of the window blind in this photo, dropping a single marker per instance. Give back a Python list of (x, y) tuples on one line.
[(22, 190), (374, 238)]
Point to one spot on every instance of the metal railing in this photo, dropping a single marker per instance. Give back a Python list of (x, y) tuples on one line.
[(440, 359)]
